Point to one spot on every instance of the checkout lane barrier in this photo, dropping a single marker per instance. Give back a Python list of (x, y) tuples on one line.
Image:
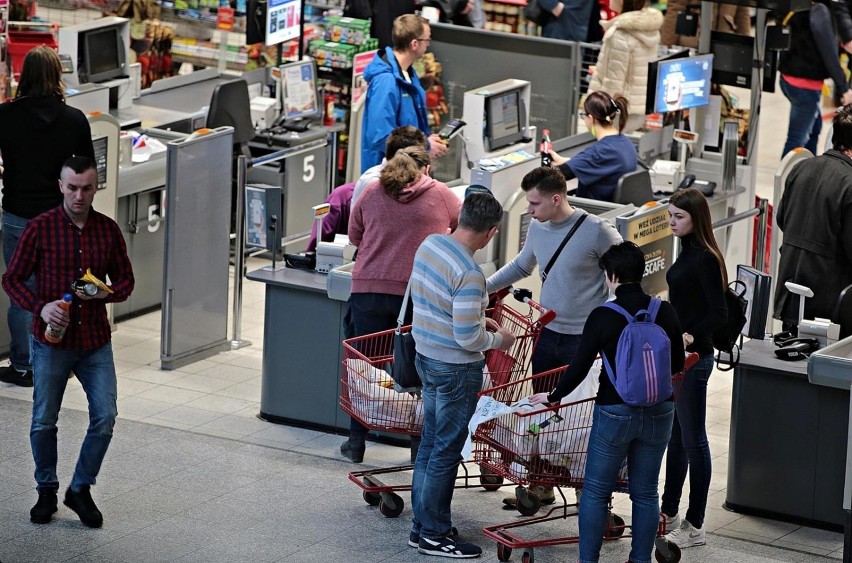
[(243, 164)]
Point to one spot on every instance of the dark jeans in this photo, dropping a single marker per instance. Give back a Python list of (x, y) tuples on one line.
[(553, 350), (805, 119), (640, 435), (689, 450), (449, 399), (371, 313), (95, 370), (20, 320)]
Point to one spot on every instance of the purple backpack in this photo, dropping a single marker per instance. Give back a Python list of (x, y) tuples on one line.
[(643, 358)]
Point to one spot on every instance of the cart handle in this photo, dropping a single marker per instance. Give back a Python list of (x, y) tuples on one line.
[(525, 296)]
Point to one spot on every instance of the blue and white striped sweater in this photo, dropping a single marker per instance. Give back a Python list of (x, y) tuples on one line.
[(448, 292)]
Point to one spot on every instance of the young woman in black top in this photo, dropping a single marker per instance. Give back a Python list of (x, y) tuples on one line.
[(697, 282), (620, 431)]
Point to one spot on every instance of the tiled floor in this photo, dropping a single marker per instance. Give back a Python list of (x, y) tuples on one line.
[(194, 475)]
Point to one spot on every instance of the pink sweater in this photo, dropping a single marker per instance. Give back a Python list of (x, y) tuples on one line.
[(388, 231)]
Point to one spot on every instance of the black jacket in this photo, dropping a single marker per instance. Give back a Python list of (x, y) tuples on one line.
[(815, 215), (600, 335), (813, 50), (37, 135)]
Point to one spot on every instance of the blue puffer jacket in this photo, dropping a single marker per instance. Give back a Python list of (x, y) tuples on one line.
[(391, 102)]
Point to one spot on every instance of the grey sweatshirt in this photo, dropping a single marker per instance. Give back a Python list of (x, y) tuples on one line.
[(575, 284)]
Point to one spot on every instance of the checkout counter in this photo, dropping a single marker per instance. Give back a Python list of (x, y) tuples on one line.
[(787, 451)]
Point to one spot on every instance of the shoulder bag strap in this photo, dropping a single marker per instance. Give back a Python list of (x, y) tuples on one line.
[(561, 246), (401, 318)]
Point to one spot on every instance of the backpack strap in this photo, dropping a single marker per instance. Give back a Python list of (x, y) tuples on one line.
[(654, 308), (619, 309)]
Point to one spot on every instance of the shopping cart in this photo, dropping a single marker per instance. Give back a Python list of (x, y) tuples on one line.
[(367, 394), (535, 447)]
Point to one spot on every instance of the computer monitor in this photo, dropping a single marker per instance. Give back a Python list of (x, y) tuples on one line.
[(504, 119), (229, 106), (283, 20), (682, 83), (104, 54), (299, 96)]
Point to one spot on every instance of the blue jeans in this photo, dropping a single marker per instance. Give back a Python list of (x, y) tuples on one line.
[(689, 449), (96, 372), (805, 119), (449, 399), (20, 320), (552, 351), (640, 435)]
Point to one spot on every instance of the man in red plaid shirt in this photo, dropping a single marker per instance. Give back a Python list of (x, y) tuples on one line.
[(58, 247)]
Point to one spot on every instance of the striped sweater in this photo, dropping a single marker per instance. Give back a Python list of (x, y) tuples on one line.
[(448, 292)]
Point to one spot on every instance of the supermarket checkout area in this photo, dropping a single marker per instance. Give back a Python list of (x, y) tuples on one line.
[(172, 110), (309, 350)]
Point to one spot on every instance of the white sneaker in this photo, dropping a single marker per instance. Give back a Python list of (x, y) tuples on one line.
[(687, 536), (672, 522)]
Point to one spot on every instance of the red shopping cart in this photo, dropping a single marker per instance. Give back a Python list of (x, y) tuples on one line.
[(367, 394), (538, 447)]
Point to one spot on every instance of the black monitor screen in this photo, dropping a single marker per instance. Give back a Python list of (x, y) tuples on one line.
[(104, 59)]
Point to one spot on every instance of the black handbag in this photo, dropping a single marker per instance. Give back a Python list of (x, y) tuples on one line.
[(403, 370)]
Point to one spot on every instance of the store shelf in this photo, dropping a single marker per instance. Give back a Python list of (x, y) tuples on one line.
[(201, 61)]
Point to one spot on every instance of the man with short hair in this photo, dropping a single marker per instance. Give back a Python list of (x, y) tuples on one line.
[(394, 94), (815, 214), (59, 247), (451, 333), (574, 285), (400, 138)]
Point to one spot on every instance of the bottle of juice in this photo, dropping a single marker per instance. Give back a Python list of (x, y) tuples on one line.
[(53, 334)]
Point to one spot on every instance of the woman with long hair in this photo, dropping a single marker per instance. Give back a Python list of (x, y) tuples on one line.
[(39, 132), (631, 40), (599, 166), (697, 282), (392, 217)]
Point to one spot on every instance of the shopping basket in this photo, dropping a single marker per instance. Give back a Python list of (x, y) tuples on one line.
[(534, 447), (367, 393)]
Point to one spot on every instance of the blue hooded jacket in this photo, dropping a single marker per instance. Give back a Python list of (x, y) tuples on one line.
[(391, 102)]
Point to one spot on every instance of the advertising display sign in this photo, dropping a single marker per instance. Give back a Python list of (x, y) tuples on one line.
[(283, 19)]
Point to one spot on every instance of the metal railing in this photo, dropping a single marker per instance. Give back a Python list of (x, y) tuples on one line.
[(760, 211)]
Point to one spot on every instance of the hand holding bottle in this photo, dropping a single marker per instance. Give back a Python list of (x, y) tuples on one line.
[(57, 317)]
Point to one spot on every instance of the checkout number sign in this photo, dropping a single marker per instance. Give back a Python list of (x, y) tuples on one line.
[(308, 172), (651, 232), (156, 210)]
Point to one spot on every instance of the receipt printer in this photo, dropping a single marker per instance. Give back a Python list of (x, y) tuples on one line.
[(333, 254), (263, 112)]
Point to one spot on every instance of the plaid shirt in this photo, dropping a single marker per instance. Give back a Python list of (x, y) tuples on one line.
[(57, 253)]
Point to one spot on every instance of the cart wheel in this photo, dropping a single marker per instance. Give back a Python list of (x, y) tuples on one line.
[(489, 480), (373, 499), (391, 505), (614, 526), (528, 503), (528, 556), (504, 553), (666, 552)]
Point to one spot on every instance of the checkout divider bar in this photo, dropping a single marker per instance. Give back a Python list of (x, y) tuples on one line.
[(760, 211), (243, 164)]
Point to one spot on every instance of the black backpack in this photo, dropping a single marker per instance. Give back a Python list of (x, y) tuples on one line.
[(726, 339)]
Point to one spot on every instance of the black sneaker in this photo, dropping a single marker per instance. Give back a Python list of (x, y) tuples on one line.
[(81, 502), (44, 509), (353, 449), (448, 547), (9, 374), (414, 537)]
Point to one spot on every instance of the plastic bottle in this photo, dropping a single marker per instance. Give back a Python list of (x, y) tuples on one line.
[(546, 147), (52, 334)]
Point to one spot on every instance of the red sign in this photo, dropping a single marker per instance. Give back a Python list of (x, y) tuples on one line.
[(225, 19)]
